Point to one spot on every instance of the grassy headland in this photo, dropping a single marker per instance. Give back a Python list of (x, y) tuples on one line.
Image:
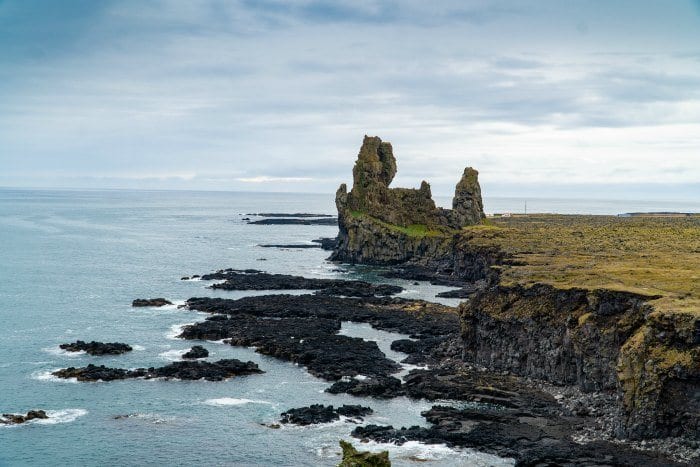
[(646, 255)]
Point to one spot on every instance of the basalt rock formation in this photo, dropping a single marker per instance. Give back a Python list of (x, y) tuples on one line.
[(318, 413), (188, 370), (539, 306), (382, 225), (97, 348)]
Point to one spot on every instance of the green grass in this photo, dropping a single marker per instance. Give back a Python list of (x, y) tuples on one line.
[(413, 230), (649, 256)]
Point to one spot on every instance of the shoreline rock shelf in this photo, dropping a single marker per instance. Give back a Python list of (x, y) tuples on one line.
[(251, 279), (318, 413), (188, 370), (97, 348)]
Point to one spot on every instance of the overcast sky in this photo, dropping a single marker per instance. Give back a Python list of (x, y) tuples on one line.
[(549, 98)]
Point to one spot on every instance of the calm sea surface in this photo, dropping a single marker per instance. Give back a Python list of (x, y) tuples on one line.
[(72, 262)]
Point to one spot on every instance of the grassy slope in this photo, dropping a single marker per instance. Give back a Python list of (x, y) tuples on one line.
[(651, 256), (413, 230)]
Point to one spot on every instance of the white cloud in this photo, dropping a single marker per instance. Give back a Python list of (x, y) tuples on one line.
[(268, 179)]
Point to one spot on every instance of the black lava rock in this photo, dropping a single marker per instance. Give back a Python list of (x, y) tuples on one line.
[(197, 351), (97, 348), (140, 302)]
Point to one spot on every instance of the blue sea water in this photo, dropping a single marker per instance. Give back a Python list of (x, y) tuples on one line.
[(70, 265)]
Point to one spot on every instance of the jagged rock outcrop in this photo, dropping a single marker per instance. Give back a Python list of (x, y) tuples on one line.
[(382, 225)]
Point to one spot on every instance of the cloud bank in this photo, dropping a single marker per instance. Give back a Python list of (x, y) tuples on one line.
[(542, 97)]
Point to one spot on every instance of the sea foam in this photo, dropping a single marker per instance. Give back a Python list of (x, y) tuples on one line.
[(46, 375), (56, 350), (173, 355), (224, 401)]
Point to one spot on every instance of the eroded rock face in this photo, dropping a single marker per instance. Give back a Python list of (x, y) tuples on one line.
[(383, 225), (599, 341), (467, 206)]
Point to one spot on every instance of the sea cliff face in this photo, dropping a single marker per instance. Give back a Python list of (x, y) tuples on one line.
[(600, 340), (597, 340)]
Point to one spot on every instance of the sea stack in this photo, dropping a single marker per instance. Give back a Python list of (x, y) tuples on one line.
[(382, 225)]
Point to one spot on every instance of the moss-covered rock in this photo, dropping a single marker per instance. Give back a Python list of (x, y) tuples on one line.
[(354, 458), (659, 374), (382, 225)]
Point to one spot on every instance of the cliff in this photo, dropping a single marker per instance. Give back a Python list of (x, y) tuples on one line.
[(382, 225), (605, 304)]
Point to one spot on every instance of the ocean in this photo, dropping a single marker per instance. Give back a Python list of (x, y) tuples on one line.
[(72, 262)]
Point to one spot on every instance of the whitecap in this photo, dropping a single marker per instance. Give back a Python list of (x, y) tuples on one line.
[(61, 416), (176, 330), (156, 419), (138, 348), (224, 401), (55, 417), (417, 451), (56, 350), (46, 375), (173, 355)]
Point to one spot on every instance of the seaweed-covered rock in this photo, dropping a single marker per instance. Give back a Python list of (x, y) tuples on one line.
[(97, 348)]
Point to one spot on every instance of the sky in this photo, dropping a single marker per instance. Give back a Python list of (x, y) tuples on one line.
[(545, 98)]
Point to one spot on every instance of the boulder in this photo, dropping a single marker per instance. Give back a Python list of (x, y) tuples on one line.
[(157, 302), (197, 351)]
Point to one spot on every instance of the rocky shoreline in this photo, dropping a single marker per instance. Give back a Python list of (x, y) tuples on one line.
[(540, 374), (505, 414)]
